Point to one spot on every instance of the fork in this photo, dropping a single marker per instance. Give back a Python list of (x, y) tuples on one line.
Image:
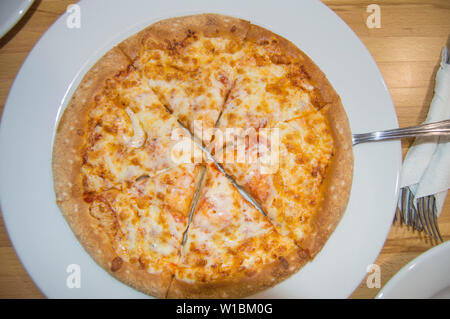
[(430, 129), (422, 218)]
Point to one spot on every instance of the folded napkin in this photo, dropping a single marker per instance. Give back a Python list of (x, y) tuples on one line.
[(426, 168)]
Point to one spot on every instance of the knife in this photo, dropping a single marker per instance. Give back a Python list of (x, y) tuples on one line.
[(193, 206), (238, 187)]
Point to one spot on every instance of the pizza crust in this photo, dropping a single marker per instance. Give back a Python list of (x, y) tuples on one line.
[(174, 30), (337, 185), (241, 285), (67, 161), (281, 45)]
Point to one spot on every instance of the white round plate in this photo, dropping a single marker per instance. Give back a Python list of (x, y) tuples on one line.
[(11, 11), (427, 276), (56, 65)]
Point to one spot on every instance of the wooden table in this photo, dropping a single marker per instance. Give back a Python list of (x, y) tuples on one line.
[(406, 48)]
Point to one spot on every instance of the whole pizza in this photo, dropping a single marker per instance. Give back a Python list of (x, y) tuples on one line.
[(160, 216)]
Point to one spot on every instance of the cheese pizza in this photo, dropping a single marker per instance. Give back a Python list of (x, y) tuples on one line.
[(133, 182)]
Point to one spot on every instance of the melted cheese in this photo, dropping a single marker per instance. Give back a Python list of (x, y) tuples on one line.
[(194, 82), (227, 237), (132, 136), (150, 217), (138, 138), (141, 195), (291, 195), (265, 93)]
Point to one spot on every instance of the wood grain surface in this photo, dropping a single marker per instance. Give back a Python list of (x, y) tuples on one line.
[(406, 48)]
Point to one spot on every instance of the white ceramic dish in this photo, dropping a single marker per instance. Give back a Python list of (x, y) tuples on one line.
[(11, 11), (427, 276), (52, 71)]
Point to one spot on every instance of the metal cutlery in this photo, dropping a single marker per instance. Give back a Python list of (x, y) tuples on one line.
[(423, 217), (430, 129)]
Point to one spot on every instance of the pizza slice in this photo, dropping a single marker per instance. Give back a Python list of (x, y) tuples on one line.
[(290, 186), (131, 134), (274, 82), (231, 249), (144, 225), (189, 63), (195, 97)]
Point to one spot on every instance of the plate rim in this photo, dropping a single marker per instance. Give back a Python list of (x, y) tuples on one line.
[(14, 19), (408, 270)]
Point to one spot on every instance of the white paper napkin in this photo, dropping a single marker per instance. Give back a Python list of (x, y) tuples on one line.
[(426, 168)]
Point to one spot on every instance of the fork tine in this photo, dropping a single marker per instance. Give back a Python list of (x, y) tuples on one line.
[(426, 218), (410, 210), (421, 217), (402, 205), (407, 203), (434, 217), (406, 213), (436, 222), (430, 217), (413, 213), (420, 205), (419, 225)]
